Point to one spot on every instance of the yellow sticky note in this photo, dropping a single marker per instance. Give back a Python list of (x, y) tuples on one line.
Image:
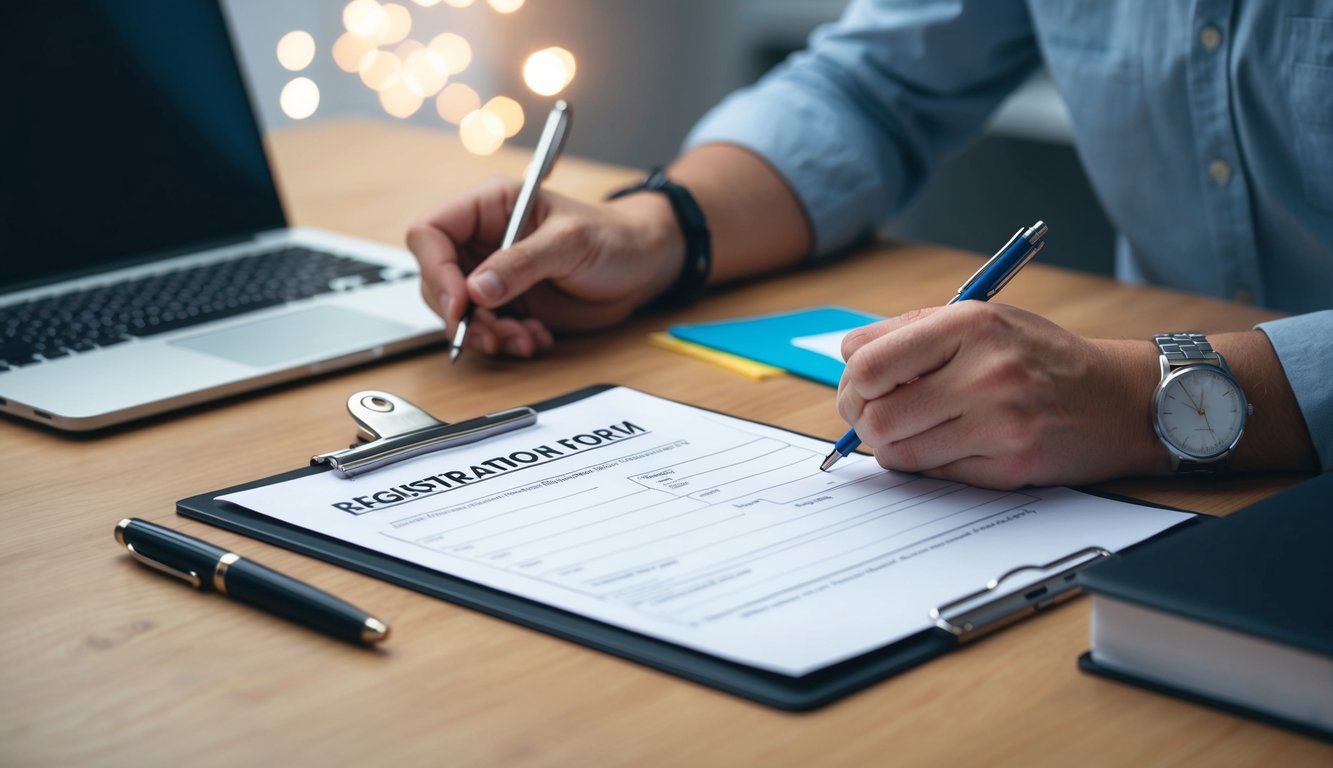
[(733, 363)]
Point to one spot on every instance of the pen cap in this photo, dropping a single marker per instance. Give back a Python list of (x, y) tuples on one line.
[(169, 550)]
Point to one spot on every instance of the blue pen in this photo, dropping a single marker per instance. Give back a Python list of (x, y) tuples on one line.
[(981, 286)]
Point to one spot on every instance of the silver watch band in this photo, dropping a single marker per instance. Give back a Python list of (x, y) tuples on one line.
[(1188, 348)]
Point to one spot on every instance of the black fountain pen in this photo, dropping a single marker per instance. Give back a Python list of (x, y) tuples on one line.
[(204, 566)]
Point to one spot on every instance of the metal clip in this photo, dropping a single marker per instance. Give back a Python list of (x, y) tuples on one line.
[(989, 262), (395, 429), (189, 577), (970, 623)]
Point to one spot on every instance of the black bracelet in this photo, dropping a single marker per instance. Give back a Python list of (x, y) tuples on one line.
[(698, 242)]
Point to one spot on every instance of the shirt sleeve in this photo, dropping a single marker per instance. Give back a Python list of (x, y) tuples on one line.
[(1304, 346), (856, 122)]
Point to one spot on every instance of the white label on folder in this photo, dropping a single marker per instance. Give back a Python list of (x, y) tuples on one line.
[(712, 532), (826, 344)]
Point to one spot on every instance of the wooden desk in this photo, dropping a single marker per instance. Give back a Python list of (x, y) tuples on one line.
[(107, 663)]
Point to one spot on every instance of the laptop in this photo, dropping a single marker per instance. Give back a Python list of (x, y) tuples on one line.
[(145, 260)]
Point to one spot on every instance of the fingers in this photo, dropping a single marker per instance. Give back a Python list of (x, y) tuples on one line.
[(555, 249), (515, 337), (859, 337), (893, 352), (442, 282), (443, 240)]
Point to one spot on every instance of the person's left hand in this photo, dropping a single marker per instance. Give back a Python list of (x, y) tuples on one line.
[(996, 396)]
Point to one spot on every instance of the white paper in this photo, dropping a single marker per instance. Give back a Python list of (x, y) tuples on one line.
[(712, 532), (826, 344)]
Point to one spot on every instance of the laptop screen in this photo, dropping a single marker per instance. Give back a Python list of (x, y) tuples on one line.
[(127, 132)]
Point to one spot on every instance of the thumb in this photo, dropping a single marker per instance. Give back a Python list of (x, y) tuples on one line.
[(508, 274)]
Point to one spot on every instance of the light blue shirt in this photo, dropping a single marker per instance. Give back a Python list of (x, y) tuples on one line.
[(1206, 128)]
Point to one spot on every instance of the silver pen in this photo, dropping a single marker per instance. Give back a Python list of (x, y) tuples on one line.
[(543, 158)]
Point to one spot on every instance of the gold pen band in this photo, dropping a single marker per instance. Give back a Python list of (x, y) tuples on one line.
[(220, 572)]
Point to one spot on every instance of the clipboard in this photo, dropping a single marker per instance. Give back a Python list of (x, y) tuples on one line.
[(392, 429)]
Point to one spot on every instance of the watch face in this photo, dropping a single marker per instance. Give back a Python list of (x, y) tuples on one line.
[(1200, 411)]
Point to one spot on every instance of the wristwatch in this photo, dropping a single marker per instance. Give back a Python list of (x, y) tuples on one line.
[(1199, 410)]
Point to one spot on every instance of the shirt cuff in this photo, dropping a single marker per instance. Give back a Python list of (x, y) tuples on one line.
[(1304, 346)]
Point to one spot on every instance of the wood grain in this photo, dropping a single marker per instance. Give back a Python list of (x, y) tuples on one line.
[(107, 663)]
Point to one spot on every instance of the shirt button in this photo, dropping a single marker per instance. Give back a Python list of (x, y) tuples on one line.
[(1242, 296), (1220, 170), (1210, 36)]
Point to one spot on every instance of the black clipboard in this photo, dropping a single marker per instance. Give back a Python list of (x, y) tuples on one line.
[(410, 431)]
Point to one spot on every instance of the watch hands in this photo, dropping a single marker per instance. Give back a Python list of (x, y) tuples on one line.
[(1186, 390)]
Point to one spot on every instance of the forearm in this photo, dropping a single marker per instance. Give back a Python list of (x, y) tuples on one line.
[(756, 223)]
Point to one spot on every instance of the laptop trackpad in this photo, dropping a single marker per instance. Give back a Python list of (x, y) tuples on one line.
[(302, 336)]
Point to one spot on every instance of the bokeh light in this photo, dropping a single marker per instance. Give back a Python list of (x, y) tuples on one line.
[(482, 132), (424, 72), (299, 98), (548, 71), (349, 50), (398, 99), (378, 67), (454, 51), (404, 71), (296, 50), (406, 48), (456, 102), (364, 18), (509, 112), (397, 24)]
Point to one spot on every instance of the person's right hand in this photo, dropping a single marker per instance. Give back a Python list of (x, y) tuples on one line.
[(578, 267)]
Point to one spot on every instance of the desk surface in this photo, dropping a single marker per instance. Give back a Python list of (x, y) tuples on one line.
[(105, 662)]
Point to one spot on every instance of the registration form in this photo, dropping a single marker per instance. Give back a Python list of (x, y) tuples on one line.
[(712, 532)]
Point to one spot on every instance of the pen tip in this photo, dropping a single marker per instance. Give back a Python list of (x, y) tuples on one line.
[(454, 352), (374, 631), (829, 461)]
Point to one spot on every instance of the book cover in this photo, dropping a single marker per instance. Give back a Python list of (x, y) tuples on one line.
[(1235, 611)]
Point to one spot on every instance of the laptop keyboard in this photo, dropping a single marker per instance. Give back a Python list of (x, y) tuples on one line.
[(79, 321)]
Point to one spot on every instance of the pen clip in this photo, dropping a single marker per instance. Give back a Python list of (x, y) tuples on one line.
[(989, 263), (1014, 269), (967, 619), (189, 577), (395, 430)]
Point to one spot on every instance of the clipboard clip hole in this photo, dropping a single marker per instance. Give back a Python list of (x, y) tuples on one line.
[(377, 403)]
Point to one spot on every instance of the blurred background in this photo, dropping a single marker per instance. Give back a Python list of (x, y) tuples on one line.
[(639, 74)]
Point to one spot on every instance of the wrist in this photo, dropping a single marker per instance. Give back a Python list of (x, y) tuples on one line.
[(1134, 371), (658, 242), (697, 264)]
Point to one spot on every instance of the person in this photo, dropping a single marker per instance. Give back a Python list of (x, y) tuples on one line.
[(1205, 130)]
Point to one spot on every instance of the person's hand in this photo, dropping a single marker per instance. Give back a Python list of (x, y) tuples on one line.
[(995, 396), (578, 267)]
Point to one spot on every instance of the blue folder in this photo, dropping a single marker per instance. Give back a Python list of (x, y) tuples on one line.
[(768, 339)]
